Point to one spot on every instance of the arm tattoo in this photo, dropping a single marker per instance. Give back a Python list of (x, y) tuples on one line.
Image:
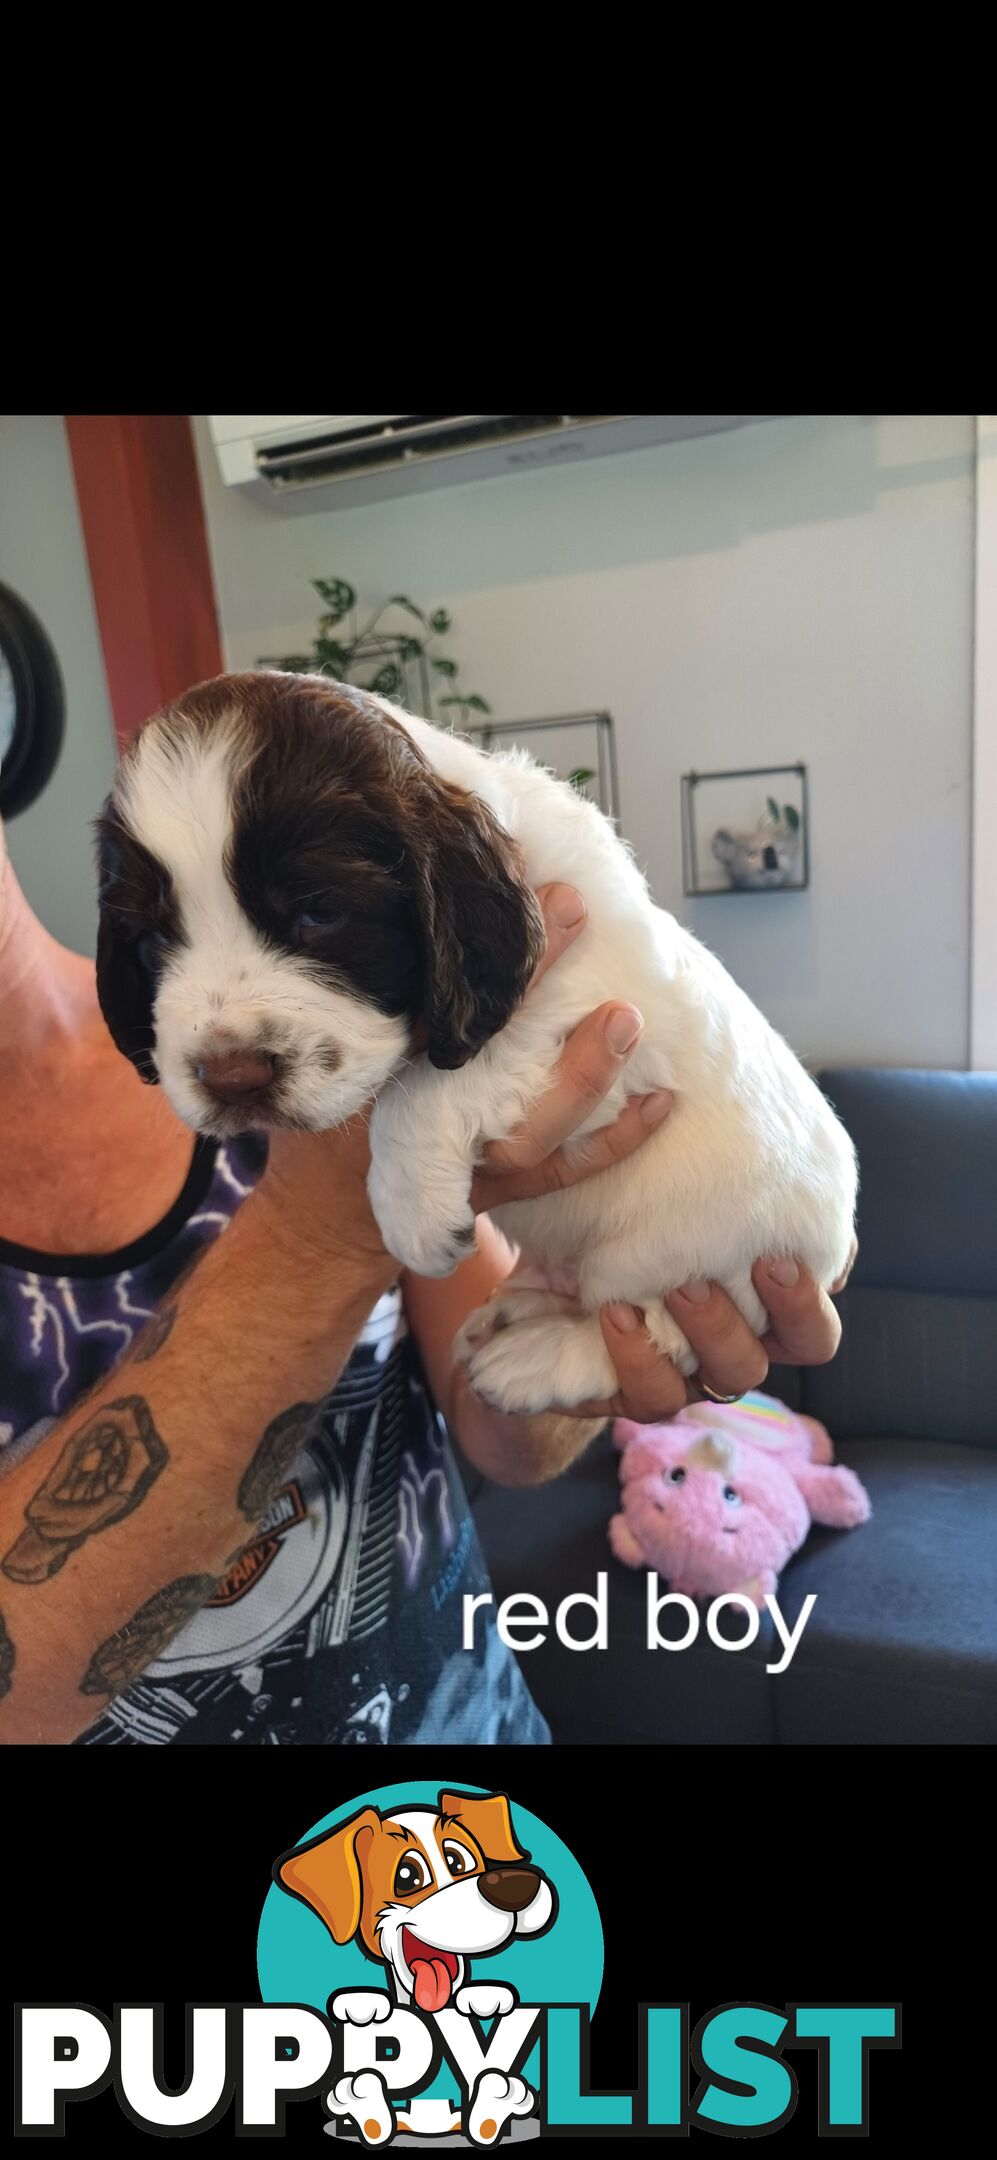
[(275, 1458), (102, 1474), (126, 1654), (6, 1659)]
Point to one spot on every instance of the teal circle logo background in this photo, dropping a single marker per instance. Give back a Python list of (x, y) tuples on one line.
[(298, 1962)]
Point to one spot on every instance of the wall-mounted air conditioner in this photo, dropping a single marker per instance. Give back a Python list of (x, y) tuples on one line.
[(320, 461)]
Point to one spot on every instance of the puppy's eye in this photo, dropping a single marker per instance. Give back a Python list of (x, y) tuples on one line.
[(152, 950), (458, 1858), (732, 1498), (411, 1874), (319, 925), (676, 1477)]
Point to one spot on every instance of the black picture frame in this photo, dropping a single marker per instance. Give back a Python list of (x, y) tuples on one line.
[(33, 751), (506, 734), (692, 884)]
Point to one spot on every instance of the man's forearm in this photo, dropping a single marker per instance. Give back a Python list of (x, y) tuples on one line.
[(119, 1525), (516, 1450)]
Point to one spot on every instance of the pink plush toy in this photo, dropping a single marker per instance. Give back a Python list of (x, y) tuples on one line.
[(720, 1498)]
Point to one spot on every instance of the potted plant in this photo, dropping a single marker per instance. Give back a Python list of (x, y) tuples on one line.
[(379, 655)]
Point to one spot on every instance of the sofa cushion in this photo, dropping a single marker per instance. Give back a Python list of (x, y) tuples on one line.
[(927, 1149), (900, 1645), (902, 1642), (912, 1364)]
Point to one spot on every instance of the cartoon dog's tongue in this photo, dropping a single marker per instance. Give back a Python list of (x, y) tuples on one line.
[(432, 1983), (433, 1972)]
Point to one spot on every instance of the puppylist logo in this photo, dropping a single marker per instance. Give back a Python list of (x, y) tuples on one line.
[(429, 1962)]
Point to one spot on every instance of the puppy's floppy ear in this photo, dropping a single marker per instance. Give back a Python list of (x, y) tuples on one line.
[(124, 988), (482, 927), (487, 1817), (326, 1874)]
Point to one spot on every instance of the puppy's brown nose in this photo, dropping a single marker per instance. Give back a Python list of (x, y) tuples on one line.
[(510, 1888), (237, 1074)]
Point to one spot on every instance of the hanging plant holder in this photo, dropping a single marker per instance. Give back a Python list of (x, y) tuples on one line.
[(746, 831)]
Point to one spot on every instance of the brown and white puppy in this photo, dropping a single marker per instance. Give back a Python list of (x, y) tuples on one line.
[(311, 901), (423, 1890)]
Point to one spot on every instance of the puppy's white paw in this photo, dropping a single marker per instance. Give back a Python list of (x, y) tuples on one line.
[(428, 1237), (360, 2006), (495, 2098), (506, 1310), (485, 1999), (555, 1362), (742, 1290), (667, 1336), (363, 2096)]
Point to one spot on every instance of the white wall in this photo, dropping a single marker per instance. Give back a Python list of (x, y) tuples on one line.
[(43, 558), (801, 589)]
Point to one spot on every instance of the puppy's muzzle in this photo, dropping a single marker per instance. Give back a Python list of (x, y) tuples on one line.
[(511, 1889), (239, 1076)]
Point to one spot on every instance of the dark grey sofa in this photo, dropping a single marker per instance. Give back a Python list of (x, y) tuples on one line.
[(902, 1642)]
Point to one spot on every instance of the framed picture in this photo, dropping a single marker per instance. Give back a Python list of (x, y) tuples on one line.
[(579, 747), (746, 831), (32, 706)]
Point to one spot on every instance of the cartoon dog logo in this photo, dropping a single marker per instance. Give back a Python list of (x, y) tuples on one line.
[(422, 1890)]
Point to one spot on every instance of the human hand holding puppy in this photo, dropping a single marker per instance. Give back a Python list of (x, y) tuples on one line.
[(805, 1328)]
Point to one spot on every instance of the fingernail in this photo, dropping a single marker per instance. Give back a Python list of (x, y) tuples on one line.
[(624, 1317), (697, 1292), (623, 1028), (655, 1107), (565, 906), (785, 1272)]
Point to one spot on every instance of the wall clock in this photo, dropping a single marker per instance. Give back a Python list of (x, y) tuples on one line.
[(32, 705)]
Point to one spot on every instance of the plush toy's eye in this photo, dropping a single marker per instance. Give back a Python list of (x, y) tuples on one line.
[(676, 1477), (458, 1858), (411, 1874), (732, 1498), (152, 951)]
